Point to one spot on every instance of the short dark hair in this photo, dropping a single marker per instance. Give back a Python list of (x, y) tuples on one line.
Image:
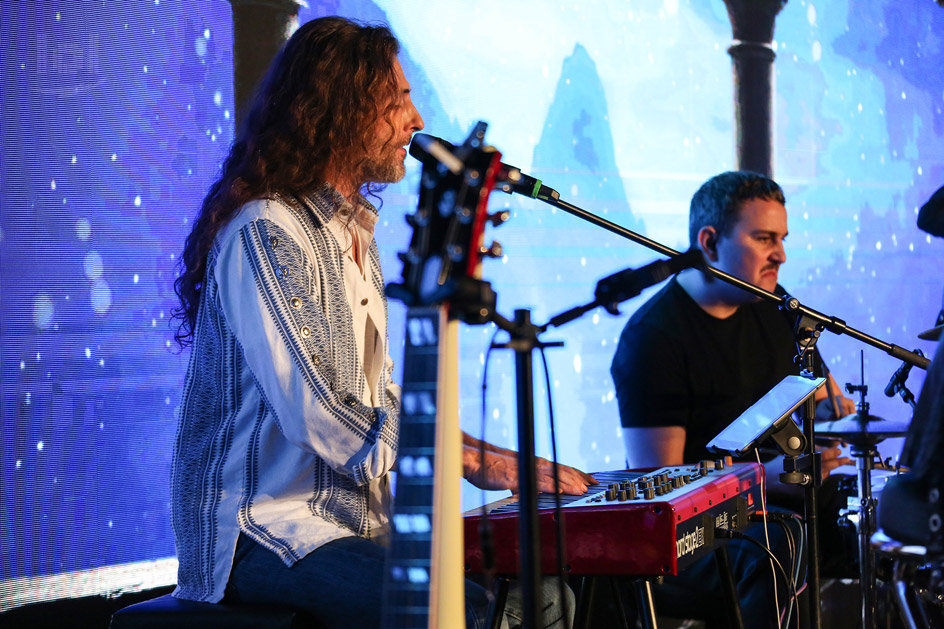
[(718, 201)]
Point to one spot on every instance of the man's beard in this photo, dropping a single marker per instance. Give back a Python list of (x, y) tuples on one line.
[(384, 168)]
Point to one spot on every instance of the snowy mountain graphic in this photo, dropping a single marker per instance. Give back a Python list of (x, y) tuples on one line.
[(575, 154)]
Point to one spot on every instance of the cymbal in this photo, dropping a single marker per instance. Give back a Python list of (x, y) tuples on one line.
[(851, 426)]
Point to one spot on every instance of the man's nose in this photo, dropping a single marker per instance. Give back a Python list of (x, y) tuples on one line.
[(416, 120), (779, 254)]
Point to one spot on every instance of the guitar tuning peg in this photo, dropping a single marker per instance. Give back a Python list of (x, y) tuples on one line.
[(420, 218), (498, 218), (492, 251)]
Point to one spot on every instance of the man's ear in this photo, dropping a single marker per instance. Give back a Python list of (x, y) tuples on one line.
[(708, 242)]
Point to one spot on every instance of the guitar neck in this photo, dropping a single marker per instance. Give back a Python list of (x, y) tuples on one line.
[(424, 584)]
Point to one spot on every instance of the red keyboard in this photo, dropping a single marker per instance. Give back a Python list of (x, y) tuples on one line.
[(635, 522)]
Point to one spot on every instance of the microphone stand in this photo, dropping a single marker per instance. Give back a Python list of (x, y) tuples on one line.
[(806, 470), (810, 324), (907, 396), (473, 302), (523, 339), (786, 302), (897, 384)]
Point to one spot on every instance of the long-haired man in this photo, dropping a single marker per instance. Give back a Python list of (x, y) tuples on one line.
[(289, 418)]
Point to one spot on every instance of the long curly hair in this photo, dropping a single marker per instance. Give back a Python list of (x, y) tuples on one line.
[(315, 110)]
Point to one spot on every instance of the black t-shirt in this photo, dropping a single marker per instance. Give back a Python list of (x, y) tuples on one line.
[(676, 365)]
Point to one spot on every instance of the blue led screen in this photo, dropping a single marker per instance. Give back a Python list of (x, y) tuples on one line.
[(115, 117)]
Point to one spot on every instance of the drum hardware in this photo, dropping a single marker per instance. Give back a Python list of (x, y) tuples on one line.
[(862, 432), (917, 581)]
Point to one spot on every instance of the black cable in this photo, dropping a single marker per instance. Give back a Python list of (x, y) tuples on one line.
[(486, 541), (781, 519), (790, 543), (796, 552), (732, 534), (830, 394), (788, 517), (796, 520), (557, 494), (794, 559), (801, 534)]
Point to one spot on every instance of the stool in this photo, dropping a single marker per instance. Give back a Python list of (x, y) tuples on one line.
[(167, 611)]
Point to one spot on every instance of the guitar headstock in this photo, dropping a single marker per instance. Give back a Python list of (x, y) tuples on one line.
[(446, 248)]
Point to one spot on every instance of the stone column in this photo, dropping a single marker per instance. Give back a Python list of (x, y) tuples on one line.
[(260, 27), (753, 24)]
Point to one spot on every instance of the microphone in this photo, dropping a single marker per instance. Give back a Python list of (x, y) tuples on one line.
[(628, 283), (512, 180), (898, 379)]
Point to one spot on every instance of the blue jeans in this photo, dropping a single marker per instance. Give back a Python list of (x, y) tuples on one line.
[(340, 584)]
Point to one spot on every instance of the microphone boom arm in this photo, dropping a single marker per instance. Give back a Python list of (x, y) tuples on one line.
[(786, 302)]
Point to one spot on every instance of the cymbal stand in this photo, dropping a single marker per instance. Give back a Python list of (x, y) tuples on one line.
[(864, 452)]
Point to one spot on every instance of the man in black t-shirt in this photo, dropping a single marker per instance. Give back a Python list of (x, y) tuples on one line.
[(701, 351), (698, 354), (698, 372)]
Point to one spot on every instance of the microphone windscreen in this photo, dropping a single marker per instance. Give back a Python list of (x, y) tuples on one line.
[(430, 151), (418, 147)]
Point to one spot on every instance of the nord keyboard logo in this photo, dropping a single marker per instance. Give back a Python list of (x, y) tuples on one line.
[(690, 542)]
